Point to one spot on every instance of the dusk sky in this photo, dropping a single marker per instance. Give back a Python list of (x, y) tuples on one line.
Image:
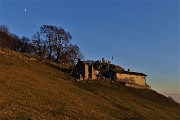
[(141, 35)]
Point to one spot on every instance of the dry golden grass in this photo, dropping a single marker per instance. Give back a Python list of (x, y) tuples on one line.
[(30, 89)]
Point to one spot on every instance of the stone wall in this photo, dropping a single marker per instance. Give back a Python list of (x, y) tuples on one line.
[(95, 74), (86, 72), (82, 70), (138, 86), (137, 79)]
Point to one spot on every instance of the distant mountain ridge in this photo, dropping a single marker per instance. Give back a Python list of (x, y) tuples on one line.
[(176, 97)]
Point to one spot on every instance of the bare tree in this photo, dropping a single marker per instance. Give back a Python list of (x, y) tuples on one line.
[(72, 54), (37, 44), (4, 36), (48, 32), (61, 41)]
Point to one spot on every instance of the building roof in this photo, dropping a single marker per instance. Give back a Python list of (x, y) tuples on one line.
[(130, 73), (116, 68)]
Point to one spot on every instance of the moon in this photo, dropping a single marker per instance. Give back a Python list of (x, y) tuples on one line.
[(25, 10)]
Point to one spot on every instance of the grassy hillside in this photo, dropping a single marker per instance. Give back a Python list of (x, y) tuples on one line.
[(31, 89)]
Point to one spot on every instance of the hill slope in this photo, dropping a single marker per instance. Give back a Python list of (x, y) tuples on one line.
[(30, 89)]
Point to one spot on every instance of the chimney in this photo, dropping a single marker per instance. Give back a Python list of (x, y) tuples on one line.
[(128, 70)]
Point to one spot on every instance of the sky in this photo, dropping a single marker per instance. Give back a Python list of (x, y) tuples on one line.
[(141, 35)]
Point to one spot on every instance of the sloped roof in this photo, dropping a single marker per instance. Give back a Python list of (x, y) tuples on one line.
[(133, 73), (130, 73)]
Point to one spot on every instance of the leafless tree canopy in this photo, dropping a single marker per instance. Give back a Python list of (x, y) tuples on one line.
[(49, 42)]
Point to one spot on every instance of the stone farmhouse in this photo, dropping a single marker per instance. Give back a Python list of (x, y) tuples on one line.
[(94, 70)]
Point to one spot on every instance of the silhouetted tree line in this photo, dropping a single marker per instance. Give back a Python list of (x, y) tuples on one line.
[(14, 42), (49, 42)]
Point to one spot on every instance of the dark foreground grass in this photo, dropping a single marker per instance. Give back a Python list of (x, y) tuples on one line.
[(31, 89)]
